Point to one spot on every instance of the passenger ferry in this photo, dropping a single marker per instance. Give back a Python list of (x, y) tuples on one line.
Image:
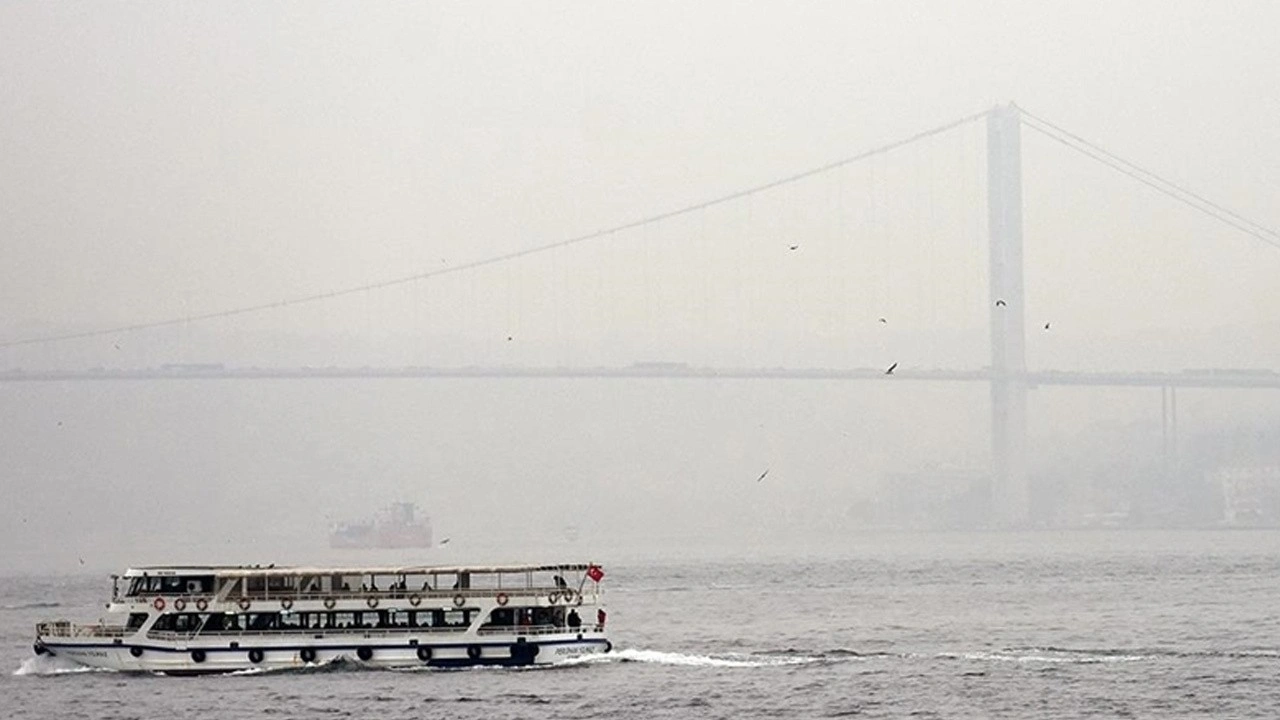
[(192, 620)]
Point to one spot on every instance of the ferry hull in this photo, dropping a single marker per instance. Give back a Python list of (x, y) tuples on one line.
[(192, 658)]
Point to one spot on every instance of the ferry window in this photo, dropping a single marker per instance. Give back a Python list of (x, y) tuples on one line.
[(261, 621), (343, 620), (198, 585), (164, 623), (172, 584), (135, 621), (501, 617), (290, 621), (458, 618)]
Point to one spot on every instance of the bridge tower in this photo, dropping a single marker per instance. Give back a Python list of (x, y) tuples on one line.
[(1008, 497)]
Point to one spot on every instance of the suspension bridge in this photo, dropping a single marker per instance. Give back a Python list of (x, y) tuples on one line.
[(1006, 372)]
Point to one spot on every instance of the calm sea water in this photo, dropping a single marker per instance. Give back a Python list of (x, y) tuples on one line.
[(1036, 625)]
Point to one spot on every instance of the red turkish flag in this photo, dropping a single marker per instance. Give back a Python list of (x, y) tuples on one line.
[(595, 572)]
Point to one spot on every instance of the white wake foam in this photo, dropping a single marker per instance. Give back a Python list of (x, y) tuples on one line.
[(53, 665), (731, 660), (1066, 659)]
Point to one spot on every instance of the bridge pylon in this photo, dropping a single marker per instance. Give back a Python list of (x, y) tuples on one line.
[(1008, 493)]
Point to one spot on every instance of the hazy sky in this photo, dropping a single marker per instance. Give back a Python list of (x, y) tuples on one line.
[(164, 160), (159, 160)]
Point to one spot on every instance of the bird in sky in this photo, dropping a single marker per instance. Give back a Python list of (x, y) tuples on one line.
[(1001, 303), (883, 321), (766, 472), (508, 338), (1046, 326), (794, 247), (891, 369), (444, 541)]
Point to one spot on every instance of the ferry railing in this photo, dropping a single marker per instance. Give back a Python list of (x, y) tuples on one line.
[(63, 628), (382, 596), (534, 629), (427, 594), (314, 632)]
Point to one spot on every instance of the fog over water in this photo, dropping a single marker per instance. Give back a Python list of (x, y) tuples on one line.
[(173, 161)]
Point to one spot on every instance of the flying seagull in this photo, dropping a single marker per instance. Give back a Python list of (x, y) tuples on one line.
[(766, 472), (1001, 303), (1046, 326), (444, 541), (794, 247), (891, 369), (883, 321)]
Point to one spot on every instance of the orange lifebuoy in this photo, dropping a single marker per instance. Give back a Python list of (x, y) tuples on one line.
[(415, 600), (372, 602), (158, 604), (330, 602), (202, 604), (286, 604), (502, 598), (244, 603), (179, 604)]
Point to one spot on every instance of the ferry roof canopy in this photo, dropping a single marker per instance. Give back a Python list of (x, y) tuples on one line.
[(282, 571)]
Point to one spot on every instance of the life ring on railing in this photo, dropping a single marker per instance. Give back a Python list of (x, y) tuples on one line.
[(473, 652), (286, 603), (554, 597), (371, 602), (202, 604), (459, 601), (501, 598), (568, 595), (179, 604), (330, 602), (415, 599), (244, 603), (158, 604)]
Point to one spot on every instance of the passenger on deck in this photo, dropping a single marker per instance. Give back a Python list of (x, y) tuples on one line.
[(574, 621), (560, 583)]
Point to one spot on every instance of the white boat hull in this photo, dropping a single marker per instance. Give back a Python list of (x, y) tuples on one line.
[(144, 655)]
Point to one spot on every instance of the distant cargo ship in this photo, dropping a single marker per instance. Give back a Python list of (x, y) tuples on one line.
[(400, 525)]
